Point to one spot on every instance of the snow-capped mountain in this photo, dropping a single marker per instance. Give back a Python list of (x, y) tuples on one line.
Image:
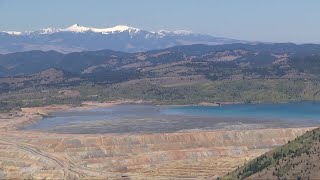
[(116, 29), (121, 38)]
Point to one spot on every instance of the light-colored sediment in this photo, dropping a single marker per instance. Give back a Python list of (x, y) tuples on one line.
[(206, 154)]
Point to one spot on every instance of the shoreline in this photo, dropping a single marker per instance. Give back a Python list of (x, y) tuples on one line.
[(30, 115)]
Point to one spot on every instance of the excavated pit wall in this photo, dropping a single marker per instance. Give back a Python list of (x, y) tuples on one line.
[(143, 155), (199, 154)]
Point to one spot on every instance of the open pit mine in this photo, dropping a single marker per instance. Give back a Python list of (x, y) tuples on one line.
[(178, 155)]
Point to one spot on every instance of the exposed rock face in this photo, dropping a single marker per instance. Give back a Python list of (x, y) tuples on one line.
[(162, 155)]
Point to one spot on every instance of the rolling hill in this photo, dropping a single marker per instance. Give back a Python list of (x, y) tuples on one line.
[(217, 62), (179, 75)]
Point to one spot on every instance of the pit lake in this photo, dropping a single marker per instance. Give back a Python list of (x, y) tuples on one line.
[(161, 119)]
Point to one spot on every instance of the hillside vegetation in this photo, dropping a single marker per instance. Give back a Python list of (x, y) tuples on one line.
[(299, 159), (178, 75), (245, 91)]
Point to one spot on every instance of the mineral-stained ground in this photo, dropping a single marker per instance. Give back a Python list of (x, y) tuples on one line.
[(196, 154)]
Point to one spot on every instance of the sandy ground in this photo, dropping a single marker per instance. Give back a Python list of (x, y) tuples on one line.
[(179, 155)]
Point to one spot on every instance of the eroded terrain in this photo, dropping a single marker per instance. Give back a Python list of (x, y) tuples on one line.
[(198, 154)]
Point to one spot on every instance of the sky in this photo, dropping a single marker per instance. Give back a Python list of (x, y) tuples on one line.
[(255, 20)]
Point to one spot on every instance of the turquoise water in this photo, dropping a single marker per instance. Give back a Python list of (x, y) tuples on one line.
[(150, 119), (286, 111)]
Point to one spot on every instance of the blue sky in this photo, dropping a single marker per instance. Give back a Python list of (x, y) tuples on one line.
[(263, 20)]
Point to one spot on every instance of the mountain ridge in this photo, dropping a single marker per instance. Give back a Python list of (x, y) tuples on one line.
[(77, 28), (124, 38)]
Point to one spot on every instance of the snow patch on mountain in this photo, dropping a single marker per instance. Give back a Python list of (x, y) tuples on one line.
[(13, 32), (119, 38), (183, 32), (116, 29), (48, 31), (76, 28), (177, 32)]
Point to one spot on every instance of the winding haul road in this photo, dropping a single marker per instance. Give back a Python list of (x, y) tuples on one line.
[(69, 168)]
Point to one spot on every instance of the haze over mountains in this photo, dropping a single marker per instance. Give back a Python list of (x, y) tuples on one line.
[(119, 38)]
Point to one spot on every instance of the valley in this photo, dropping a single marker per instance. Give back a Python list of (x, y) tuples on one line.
[(152, 146), (159, 90)]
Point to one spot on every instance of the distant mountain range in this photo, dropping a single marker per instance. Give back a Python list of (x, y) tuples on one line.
[(214, 62), (119, 38)]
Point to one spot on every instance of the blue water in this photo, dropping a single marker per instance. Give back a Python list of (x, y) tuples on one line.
[(286, 111), (149, 118)]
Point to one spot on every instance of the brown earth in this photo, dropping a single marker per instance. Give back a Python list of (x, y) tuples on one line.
[(298, 159), (209, 154)]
